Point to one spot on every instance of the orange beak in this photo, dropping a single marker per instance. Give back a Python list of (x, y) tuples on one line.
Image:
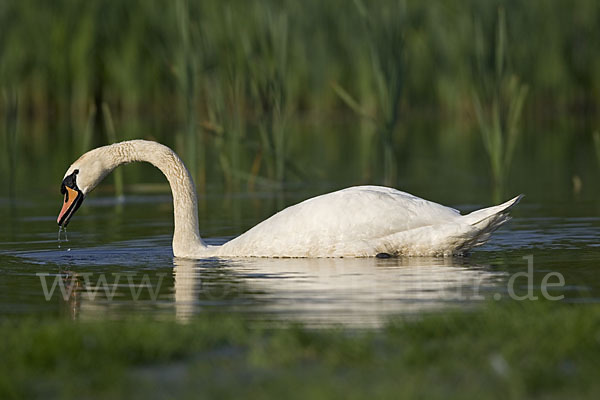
[(73, 199)]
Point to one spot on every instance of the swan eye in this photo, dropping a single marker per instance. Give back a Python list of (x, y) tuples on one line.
[(69, 182)]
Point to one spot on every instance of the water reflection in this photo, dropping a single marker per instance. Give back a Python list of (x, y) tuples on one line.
[(117, 282), (328, 291), (186, 289)]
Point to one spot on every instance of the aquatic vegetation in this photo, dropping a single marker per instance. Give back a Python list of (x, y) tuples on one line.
[(268, 90), (11, 120), (384, 29), (113, 138), (497, 351), (498, 103), (237, 87), (597, 145), (186, 74)]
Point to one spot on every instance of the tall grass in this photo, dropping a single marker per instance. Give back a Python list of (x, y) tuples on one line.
[(383, 27), (502, 350), (11, 127), (111, 133), (498, 103), (242, 98), (88, 131), (268, 52), (247, 98), (597, 145), (230, 76), (187, 70)]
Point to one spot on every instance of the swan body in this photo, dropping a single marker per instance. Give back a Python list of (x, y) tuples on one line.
[(361, 221)]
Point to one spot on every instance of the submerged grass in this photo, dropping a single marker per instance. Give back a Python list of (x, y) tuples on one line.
[(517, 350)]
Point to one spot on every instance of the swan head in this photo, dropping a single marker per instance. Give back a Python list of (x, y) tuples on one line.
[(80, 179)]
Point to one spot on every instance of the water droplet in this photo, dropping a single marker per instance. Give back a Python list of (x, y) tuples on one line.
[(59, 231)]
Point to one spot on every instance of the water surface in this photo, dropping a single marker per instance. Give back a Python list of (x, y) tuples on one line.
[(118, 263)]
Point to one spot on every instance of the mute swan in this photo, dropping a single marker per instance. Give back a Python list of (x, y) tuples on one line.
[(361, 221)]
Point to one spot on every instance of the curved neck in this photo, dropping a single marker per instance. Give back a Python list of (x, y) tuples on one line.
[(186, 237)]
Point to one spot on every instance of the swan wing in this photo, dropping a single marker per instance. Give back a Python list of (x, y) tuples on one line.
[(333, 224)]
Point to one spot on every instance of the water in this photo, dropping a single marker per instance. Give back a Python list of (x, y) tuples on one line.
[(119, 264), (61, 230)]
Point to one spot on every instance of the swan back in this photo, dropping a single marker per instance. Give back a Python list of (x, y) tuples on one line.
[(358, 222)]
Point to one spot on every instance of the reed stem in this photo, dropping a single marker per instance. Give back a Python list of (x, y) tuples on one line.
[(112, 137)]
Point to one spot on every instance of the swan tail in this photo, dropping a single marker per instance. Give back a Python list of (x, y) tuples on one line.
[(485, 221), (487, 216)]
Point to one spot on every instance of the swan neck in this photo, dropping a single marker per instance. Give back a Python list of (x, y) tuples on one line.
[(186, 236)]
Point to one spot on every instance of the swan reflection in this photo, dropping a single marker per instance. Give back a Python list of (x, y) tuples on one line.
[(349, 291)]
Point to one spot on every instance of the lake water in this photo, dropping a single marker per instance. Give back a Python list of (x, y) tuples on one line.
[(118, 263)]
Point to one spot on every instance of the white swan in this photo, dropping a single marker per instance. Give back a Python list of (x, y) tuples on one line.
[(361, 221)]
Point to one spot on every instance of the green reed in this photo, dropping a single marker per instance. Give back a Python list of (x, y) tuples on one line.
[(269, 85), (246, 97), (88, 131), (498, 103), (383, 27), (11, 128), (223, 92), (112, 137), (187, 71), (597, 145), (231, 76)]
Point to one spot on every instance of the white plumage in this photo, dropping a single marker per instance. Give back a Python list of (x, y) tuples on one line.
[(360, 221)]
